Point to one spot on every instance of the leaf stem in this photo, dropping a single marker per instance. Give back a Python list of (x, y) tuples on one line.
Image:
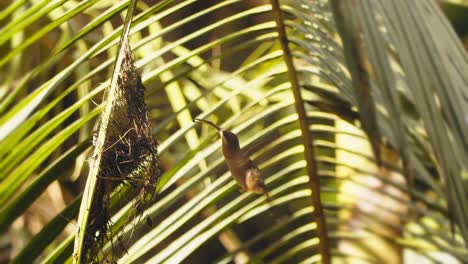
[(80, 249), (311, 163)]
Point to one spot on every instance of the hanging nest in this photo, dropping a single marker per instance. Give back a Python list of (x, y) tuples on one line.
[(129, 155)]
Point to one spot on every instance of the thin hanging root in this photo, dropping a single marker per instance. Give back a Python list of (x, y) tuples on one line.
[(121, 139), (207, 122)]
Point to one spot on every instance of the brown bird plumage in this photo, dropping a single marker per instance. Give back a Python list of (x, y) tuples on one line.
[(242, 168)]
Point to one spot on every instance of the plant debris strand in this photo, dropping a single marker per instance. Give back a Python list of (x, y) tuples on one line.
[(129, 154)]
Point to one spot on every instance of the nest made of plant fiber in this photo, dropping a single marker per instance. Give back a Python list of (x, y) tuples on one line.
[(129, 155)]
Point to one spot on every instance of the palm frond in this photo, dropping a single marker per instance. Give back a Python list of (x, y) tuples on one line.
[(353, 110)]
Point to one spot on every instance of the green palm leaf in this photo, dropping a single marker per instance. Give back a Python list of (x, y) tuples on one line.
[(353, 110)]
